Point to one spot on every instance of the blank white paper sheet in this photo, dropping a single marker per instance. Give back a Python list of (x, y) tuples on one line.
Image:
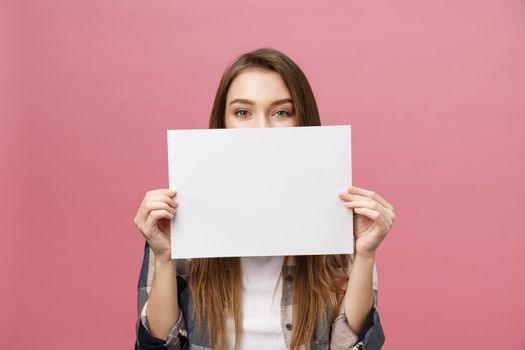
[(260, 191)]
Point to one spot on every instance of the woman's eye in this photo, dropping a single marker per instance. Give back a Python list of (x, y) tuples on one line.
[(281, 115), (239, 111)]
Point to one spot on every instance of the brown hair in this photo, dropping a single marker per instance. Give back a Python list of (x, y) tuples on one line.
[(216, 284), (272, 60)]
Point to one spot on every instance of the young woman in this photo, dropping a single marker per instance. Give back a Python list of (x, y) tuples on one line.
[(323, 302)]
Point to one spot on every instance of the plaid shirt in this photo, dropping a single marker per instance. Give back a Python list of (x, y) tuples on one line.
[(185, 335)]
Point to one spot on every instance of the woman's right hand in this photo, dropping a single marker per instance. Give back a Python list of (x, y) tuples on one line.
[(153, 220)]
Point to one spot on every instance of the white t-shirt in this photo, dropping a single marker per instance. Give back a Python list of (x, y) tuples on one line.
[(261, 317)]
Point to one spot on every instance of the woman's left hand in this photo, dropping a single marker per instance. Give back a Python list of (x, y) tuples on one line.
[(373, 218)]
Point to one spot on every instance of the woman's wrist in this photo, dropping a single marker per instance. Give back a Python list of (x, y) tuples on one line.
[(365, 256), (165, 263)]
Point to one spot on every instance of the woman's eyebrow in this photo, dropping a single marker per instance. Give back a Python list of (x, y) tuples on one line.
[(250, 102)]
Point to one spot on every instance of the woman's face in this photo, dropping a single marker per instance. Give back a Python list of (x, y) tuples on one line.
[(259, 99)]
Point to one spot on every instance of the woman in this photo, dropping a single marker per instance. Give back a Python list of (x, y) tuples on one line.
[(323, 302)]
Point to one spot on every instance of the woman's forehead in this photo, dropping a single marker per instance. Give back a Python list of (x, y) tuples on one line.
[(259, 86)]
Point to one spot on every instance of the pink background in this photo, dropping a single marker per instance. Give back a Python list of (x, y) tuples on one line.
[(434, 91)]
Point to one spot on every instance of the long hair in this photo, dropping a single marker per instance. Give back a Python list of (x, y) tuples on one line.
[(216, 284)]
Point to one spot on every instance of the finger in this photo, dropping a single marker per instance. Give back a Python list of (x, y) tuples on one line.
[(154, 216), (371, 194), (147, 206), (353, 197), (374, 215), (166, 191), (387, 213), (154, 194), (347, 197), (162, 198), (156, 198), (155, 205), (371, 204)]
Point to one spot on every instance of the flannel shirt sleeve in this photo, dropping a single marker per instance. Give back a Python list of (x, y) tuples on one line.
[(144, 340), (370, 338)]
